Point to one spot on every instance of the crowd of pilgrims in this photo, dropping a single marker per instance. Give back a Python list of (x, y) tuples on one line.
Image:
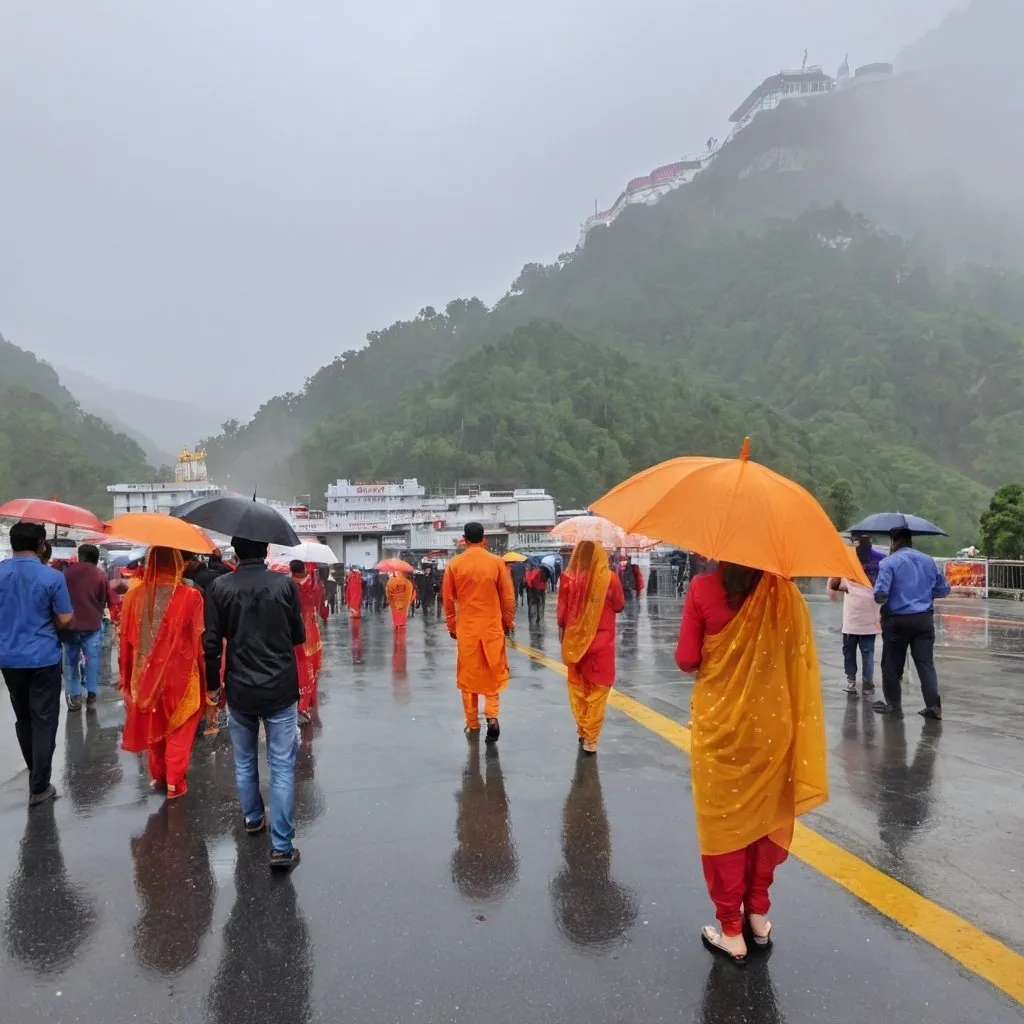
[(198, 639)]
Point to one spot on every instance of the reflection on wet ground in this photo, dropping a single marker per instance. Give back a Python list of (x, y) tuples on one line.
[(446, 881)]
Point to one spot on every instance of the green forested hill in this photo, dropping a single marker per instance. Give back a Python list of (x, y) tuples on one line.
[(49, 446), (877, 365)]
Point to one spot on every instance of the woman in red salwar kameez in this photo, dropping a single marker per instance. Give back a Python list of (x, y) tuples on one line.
[(313, 599), (163, 672)]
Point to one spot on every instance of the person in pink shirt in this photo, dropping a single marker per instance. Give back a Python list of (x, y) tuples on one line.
[(861, 624)]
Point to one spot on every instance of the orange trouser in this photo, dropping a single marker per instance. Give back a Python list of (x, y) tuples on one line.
[(738, 882), (471, 705), (588, 705), (169, 758)]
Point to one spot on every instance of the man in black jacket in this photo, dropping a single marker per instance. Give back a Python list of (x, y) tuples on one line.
[(258, 613), (202, 574)]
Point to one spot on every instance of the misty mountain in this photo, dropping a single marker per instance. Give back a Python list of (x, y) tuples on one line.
[(856, 339), (161, 426), (890, 331), (50, 445)]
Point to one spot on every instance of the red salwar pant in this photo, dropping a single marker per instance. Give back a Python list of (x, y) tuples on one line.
[(471, 706), (738, 882), (169, 757)]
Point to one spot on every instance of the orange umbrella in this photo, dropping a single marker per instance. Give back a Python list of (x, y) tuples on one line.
[(395, 565), (155, 530), (732, 510)]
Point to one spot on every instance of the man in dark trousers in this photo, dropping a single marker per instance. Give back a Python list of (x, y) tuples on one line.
[(259, 614), (518, 570), (83, 645), (908, 583), (34, 604)]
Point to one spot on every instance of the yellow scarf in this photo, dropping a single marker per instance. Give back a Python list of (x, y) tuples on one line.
[(587, 577), (758, 756)]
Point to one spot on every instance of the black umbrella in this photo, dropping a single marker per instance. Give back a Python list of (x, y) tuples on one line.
[(238, 517), (887, 522)]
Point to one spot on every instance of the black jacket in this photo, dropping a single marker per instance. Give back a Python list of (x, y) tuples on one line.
[(203, 575), (257, 611)]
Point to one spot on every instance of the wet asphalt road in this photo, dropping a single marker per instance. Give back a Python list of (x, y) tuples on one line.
[(443, 882)]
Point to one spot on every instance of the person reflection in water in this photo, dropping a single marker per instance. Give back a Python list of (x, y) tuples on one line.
[(92, 760), (48, 918), (731, 995), (310, 801), (485, 864), (266, 967), (356, 639), (176, 891), (399, 671), (592, 910), (904, 790)]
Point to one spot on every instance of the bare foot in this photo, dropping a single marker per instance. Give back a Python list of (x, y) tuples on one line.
[(760, 925)]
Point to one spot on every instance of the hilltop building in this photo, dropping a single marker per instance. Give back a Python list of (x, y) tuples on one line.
[(806, 84)]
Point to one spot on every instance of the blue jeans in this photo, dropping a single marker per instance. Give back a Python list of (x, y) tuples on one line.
[(282, 749), (91, 645), (867, 655)]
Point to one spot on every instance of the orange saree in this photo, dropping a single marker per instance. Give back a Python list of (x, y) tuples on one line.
[(312, 598), (758, 751), (162, 668)]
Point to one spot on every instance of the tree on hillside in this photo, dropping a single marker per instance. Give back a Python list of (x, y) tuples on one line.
[(1002, 526), (840, 503)]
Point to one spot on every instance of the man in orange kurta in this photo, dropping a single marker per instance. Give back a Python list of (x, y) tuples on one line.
[(400, 593), (480, 608)]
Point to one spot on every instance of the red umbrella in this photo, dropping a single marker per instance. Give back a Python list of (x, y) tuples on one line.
[(40, 510)]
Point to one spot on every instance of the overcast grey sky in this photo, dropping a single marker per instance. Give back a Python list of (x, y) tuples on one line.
[(212, 198)]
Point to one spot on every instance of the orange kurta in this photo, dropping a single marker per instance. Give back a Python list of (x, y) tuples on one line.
[(400, 593), (479, 605)]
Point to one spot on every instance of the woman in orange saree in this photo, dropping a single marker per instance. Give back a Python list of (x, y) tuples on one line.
[(589, 597), (313, 599), (757, 743), (162, 669)]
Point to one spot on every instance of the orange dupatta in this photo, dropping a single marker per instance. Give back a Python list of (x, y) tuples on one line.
[(588, 577), (758, 755), (161, 658)]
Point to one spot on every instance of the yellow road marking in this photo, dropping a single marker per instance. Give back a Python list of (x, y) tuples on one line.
[(941, 928)]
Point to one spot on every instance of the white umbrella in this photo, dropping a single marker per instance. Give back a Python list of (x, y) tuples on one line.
[(600, 531), (307, 551)]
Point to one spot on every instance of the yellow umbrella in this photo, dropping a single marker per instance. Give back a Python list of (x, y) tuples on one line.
[(513, 556), (732, 510)]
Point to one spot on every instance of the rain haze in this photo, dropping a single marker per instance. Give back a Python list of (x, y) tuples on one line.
[(210, 200)]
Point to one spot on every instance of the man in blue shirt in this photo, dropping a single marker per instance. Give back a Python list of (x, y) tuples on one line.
[(34, 604), (908, 583)]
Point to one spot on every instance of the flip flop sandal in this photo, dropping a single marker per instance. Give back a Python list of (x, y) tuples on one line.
[(760, 941), (709, 937)]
